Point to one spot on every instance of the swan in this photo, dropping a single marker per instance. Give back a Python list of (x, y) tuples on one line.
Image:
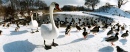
[(50, 31), (33, 23)]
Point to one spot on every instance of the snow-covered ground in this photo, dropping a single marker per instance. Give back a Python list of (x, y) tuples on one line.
[(111, 10), (24, 41)]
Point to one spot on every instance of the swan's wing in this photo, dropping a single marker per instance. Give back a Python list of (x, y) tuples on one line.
[(33, 24), (46, 28)]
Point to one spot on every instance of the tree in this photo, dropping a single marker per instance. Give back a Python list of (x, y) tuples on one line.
[(121, 2), (0, 2), (40, 4), (91, 3)]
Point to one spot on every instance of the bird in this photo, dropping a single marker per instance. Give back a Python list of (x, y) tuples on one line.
[(124, 35), (17, 28), (118, 29), (78, 27), (8, 25), (0, 32), (4, 24), (123, 27), (85, 33), (67, 30), (105, 26), (119, 49), (50, 31), (112, 38), (95, 29), (110, 32), (33, 23)]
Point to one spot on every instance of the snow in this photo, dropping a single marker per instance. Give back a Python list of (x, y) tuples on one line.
[(24, 41), (113, 11)]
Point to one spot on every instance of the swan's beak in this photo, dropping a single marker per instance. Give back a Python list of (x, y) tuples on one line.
[(57, 7)]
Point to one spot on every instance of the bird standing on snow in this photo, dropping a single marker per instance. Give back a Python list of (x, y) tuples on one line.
[(124, 35), (67, 30), (110, 32), (120, 49), (112, 38), (78, 27), (0, 32), (17, 28), (49, 32), (123, 27), (85, 33), (95, 29), (8, 25), (118, 29), (33, 23)]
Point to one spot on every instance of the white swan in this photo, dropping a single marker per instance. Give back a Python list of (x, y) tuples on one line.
[(50, 31), (33, 23)]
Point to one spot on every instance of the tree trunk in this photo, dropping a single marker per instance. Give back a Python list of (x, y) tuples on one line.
[(93, 7)]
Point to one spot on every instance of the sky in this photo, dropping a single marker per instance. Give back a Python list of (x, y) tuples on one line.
[(81, 2)]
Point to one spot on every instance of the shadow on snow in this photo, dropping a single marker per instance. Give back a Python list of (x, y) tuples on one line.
[(19, 46), (106, 49), (18, 32)]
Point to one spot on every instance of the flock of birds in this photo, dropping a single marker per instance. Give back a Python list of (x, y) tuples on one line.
[(115, 28), (52, 34)]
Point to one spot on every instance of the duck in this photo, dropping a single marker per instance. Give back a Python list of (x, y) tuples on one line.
[(95, 29), (78, 27), (67, 30), (124, 35), (4, 24), (18, 27), (50, 31), (0, 32), (118, 29), (105, 26), (112, 38), (85, 33), (119, 49), (123, 27), (33, 23), (110, 32), (8, 25)]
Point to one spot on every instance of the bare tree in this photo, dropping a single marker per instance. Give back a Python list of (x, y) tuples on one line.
[(121, 2), (91, 3), (0, 2)]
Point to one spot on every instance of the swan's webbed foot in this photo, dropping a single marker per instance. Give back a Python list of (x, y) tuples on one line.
[(47, 47), (54, 44)]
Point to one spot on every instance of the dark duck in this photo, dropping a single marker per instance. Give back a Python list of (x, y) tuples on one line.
[(18, 27), (124, 35), (95, 29), (119, 49), (0, 32), (105, 26), (123, 27), (112, 38), (89, 27), (78, 27), (110, 32), (85, 33), (118, 29), (67, 30), (8, 25)]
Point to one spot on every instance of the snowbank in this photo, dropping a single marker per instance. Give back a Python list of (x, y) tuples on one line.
[(113, 11)]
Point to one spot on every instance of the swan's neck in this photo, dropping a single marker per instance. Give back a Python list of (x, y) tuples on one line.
[(31, 17), (51, 17)]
